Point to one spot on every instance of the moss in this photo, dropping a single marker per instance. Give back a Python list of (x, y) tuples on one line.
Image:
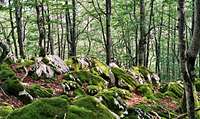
[(4, 111), (124, 94), (13, 87), (124, 77), (38, 91), (26, 63), (51, 108), (112, 99), (92, 90), (73, 64), (173, 89), (144, 72), (197, 85), (146, 90), (6, 72), (100, 67), (89, 108), (146, 109), (82, 77)]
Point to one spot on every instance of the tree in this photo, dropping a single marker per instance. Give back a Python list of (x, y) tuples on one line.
[(188, 58), (142, 41), (41, 27), (108, 32), (19, 24)]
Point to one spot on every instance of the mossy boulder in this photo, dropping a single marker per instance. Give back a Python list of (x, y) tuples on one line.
[(6, 72), (150, 111), (73, 64), (114, 99), (12, 86), (47, 108), (92, 90), (123, 79), (89, 108), (85, 77), (4, 111), (146, 90), (38, 91), (173, 89)]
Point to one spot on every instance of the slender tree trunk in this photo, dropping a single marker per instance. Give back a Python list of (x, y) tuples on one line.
[(67, 20), (188, 59), (50, 39), (19, 24), (72, 43), (108, 32), (142, 42), (168, 43), (41, 28), (136, 33), (13, 29), (149, 34), (158, 43)]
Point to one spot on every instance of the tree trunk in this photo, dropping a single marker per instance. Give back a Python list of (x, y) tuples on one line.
[(72, 44), (50, 39), (18, 16), (41, 28), (108, 32), (142, 42), (13, 29), (188, 59)]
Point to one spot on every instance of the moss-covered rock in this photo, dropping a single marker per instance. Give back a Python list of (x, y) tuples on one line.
[(149, 111), (12, 86), (73, 64), (6, 72), (173, 89), (4, 111), (38, 91), (85, 77), (51, 108), (89, 108), (92, 90), (123, 79), (146, 90), (114, 99)]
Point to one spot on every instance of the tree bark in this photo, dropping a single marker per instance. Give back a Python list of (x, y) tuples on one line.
[(108, 32), (41, 28), (13, 28), (19, 24), (142, 42), (188, 59)]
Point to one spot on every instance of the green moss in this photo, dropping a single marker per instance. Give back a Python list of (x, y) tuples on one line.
[(13, 87), (26, 63), (173, 89), (124, 94), (92, 90), (146, 109), (38, 91), (124, 77), (89, 108), (73, 64), (51, 108), (6, 72), (4, 111), (100, 67), (146, 90), (113, 100), (82, 77), (197, 84)]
